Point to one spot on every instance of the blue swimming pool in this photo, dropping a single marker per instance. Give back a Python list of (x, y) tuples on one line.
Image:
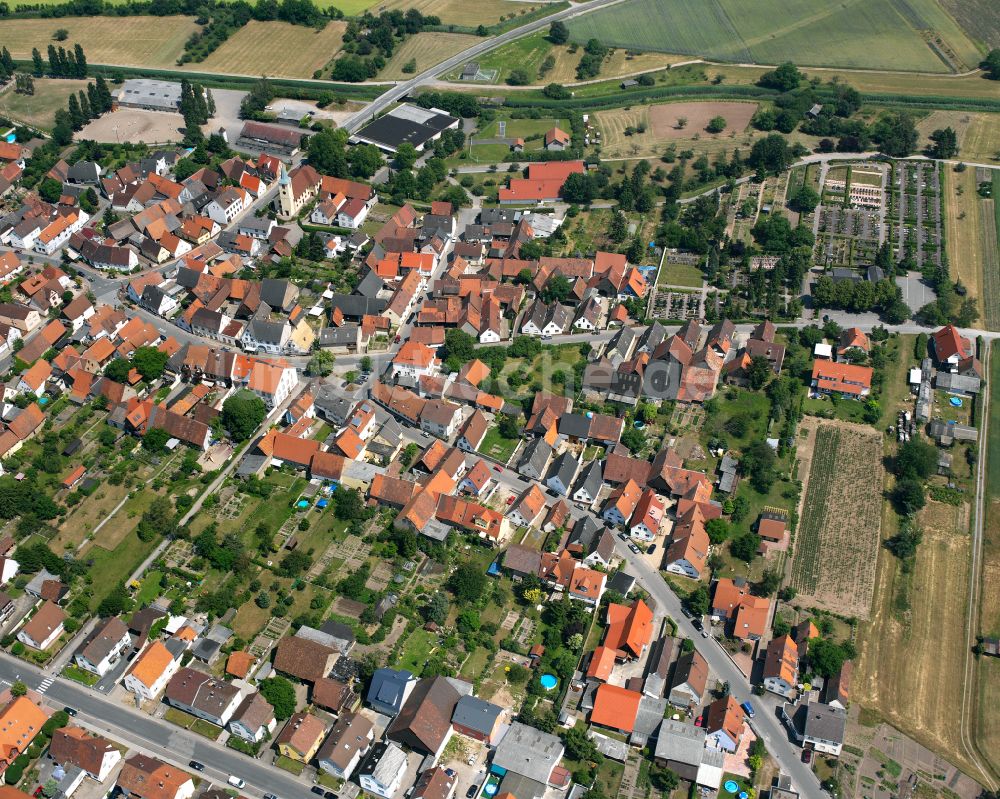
[(548, 681), (730, 786)]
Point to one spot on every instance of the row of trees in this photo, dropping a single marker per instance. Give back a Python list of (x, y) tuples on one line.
[(62, 63), (369, 42), (80, 109)]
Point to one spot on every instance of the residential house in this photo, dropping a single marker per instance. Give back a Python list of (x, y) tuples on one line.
[(589, 484), (389, 690), (647, 516), (253, 720), (680, 746), (96, 756), (534, 460), (690, 679), (424, 722), (621, 505), (382, 770), (152, 670), (816, 726), (846, 379), (436, 783), (301, 737), (104, 647), (781, 666), (44, 627), (477, 719), (348, 742), (724, 724), (202, 695), (630, 629), (144, 777), (529, 754), (615, 707), (950, 348), (562, 473), (20, 723), (526, 508), (303, 658)]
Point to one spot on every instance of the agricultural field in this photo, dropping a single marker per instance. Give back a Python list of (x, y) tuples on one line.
[(879, 34), (964, 228), (128, 41), (980, 19), (427, 49), (838, 535), (466, 13), (39, 109), (978, 134), (275, 48), (915, 687)]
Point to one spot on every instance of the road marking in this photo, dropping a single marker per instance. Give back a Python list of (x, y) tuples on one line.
[(44, 685)]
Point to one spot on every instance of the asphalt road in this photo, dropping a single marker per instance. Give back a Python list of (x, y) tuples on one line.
[(400, 90), (155, 736)]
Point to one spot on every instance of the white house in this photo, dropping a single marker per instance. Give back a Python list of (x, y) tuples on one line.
[(8, 570), (42, 629), (226, 206), (152, 670), (96, 756), (253, 720), (383, 772), (104, 647), (347, 743)]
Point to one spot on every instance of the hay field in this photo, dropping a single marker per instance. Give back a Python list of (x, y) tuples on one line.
[(963, 226), (838, 537), (428, 49), (911, 666), (981, 142), (275, 49), (128, 41), (619, 63), (660, 122), (471, 13), (872, 34), (39, 109)]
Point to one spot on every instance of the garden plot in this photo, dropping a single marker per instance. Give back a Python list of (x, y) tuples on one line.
[(838, 536)]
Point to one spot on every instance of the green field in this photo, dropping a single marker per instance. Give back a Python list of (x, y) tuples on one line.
[(877, 34)]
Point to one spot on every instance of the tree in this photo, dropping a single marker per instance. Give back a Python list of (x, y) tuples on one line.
[(557, 289), (155, 439), (436, 609), (75, 113), (682, 123), (467, 583), (118, 370), (716, 125), (745, 546), (827, 657), (769, 583), (663, 778), (896, 134), (18, 688), (908, 496), (618, 231), (518, 77), (916, 459), (578, 745), (37, 63), (327, 152), (406, 156), (759, 372), (321, 364), (50, 190), (805, 200), (759, 462), (62, 130), (717, 529), (280, 693), (784, 78), (242, 414), (149, 362), (459, 345), (770, 154), (945, 143), (558, 32), (697, 601), (991, 64)]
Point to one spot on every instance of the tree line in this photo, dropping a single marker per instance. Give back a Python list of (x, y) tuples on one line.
[(370, 41), (62, 63)]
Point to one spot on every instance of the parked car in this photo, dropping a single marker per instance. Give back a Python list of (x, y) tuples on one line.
[(651, 549), (807, 755), (196, 765), (696, 623), (472, 791), (472, 760), (748, 709), (623, 536), (317, 789), (329, 795), (235, 781), (510, 499), (70, 711), (498, 469), (634, 548)]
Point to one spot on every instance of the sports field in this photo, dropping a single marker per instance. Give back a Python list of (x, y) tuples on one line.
[(427, 49), (128, 41), (873, 34), (39, 109), (275, 49), (470, 13)]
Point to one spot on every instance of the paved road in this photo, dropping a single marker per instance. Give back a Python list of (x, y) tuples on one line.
[(400, 90), (155, 736)]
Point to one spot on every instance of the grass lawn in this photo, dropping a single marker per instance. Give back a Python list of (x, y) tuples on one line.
[(475, 663), (287, 764), (526, 53), (680, 275), (80, 675), (110, 567), (737, 417), (39, 109), (525, 129), (206, 729), (149, 588), (416, 651), (844, 409), (496, 446), (426, 49)]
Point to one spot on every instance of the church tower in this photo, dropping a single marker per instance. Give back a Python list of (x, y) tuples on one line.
[(286, 207)]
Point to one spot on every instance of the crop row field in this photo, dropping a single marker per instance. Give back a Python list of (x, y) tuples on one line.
[(838, 536), (908, 35), (275, 49), (128, 41), (426, 50)]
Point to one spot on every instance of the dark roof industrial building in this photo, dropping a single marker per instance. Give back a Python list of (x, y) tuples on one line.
[(405, 123)]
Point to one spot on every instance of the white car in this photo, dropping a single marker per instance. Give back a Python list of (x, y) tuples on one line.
[(472, 760)]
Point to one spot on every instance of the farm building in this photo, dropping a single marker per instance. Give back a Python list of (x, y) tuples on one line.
[(274, 139), (405, 123), (153, 95)]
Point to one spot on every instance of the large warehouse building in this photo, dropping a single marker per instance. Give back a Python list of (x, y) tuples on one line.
[(405, 123), (153, 95)]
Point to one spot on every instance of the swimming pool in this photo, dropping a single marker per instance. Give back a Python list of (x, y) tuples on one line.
[(730, 786), (548, 681)]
